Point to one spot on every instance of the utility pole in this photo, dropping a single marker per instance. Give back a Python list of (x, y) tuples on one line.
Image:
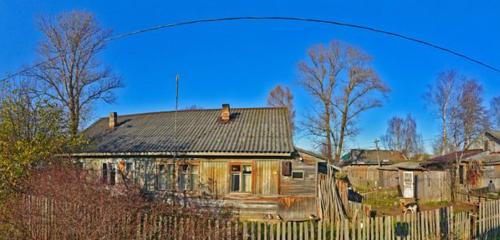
[(378, 156), (175, 133)]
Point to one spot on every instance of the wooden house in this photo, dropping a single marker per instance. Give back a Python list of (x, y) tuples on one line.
[(479, 166), (244, 157), (361, 166)]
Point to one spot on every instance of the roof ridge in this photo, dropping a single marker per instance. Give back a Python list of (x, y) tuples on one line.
[(196, 110)]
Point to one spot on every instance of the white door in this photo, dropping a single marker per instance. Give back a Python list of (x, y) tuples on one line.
[(408, 185)]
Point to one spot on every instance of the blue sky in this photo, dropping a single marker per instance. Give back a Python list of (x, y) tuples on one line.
[(240, 62)]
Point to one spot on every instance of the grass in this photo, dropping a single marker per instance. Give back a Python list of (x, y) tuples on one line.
[(382, 198)]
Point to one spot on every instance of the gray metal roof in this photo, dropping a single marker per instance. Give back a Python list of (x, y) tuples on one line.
[(250, 130)]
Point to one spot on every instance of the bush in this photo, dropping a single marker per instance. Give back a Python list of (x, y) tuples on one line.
[(62, 201)]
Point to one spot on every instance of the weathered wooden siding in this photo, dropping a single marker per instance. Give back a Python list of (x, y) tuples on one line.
[(388, 179), (272, 194), (489, 173), (363, 175), (306, 186), (430, 186), (267, 180), (215, 174), (298, 208)]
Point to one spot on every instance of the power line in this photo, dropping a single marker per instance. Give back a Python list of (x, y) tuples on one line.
[(276, 18)]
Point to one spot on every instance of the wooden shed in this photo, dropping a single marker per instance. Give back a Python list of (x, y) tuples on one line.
[(361, 166), (416, 182)]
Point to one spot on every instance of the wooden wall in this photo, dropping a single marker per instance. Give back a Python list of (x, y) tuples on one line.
[(306, 186), (430, 186), (272, 193), (363, 175), (489, 172)]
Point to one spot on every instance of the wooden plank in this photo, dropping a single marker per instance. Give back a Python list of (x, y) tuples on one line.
[(319, 231), (245, 231), (284, 230), (306, 230), (312, 230), (294, 230), (289, 230), (259, 230), (271, 231), (252, 234), (301, 230)]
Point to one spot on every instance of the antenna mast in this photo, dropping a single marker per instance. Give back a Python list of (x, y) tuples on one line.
[(378, 156), (175, 132), (176, 109)]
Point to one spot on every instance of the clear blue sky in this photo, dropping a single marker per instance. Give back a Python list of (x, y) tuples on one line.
[(239, 62)]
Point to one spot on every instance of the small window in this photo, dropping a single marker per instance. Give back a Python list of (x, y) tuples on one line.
[(193, 181), (170, 177), (183, 173), (112, 175), (241, 178), (286, 168), (161, 180), (104, 175), (247, 179), (298, 174)]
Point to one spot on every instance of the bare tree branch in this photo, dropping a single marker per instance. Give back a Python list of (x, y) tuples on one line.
[(75, 78), (343, 83)]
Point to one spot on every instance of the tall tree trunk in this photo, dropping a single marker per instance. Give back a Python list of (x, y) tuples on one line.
[(445, 137), (328, 132), (74, 123), (343, 126)]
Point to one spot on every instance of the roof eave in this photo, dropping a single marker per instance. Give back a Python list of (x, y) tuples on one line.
[(180, 154)]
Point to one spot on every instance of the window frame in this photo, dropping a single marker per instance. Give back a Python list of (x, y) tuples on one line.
[(298, 171), (104, 173), (172, 175), (241, 178)]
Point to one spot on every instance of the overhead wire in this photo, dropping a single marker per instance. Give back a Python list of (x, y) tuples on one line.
[(280, 18)]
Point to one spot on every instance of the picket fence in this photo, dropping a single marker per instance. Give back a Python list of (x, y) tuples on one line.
[(442, 223), (436, 224)]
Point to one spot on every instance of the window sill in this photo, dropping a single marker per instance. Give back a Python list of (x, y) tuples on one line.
[(239, 194)]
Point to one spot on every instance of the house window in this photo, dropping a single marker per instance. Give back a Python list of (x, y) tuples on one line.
[(104, 174), (286, 168), (188, 177), (241, 178), (170, 176), (193, 180), (183, 172), (161, 178), (296, 174), (112, 174)]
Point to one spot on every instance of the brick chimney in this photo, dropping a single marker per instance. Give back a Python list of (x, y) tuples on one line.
[(225, 114), (113, 120)]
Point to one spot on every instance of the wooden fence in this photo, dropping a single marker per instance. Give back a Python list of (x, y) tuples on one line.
[(489, 220), (438, 224), (331, 206), (442, 223)]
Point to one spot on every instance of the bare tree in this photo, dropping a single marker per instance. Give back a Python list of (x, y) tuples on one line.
[(470, 117), (401, 135), (342, 82), (72, 74), (442, 97), (495, 111), (283, 97), (357, 96), (459, 102)]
